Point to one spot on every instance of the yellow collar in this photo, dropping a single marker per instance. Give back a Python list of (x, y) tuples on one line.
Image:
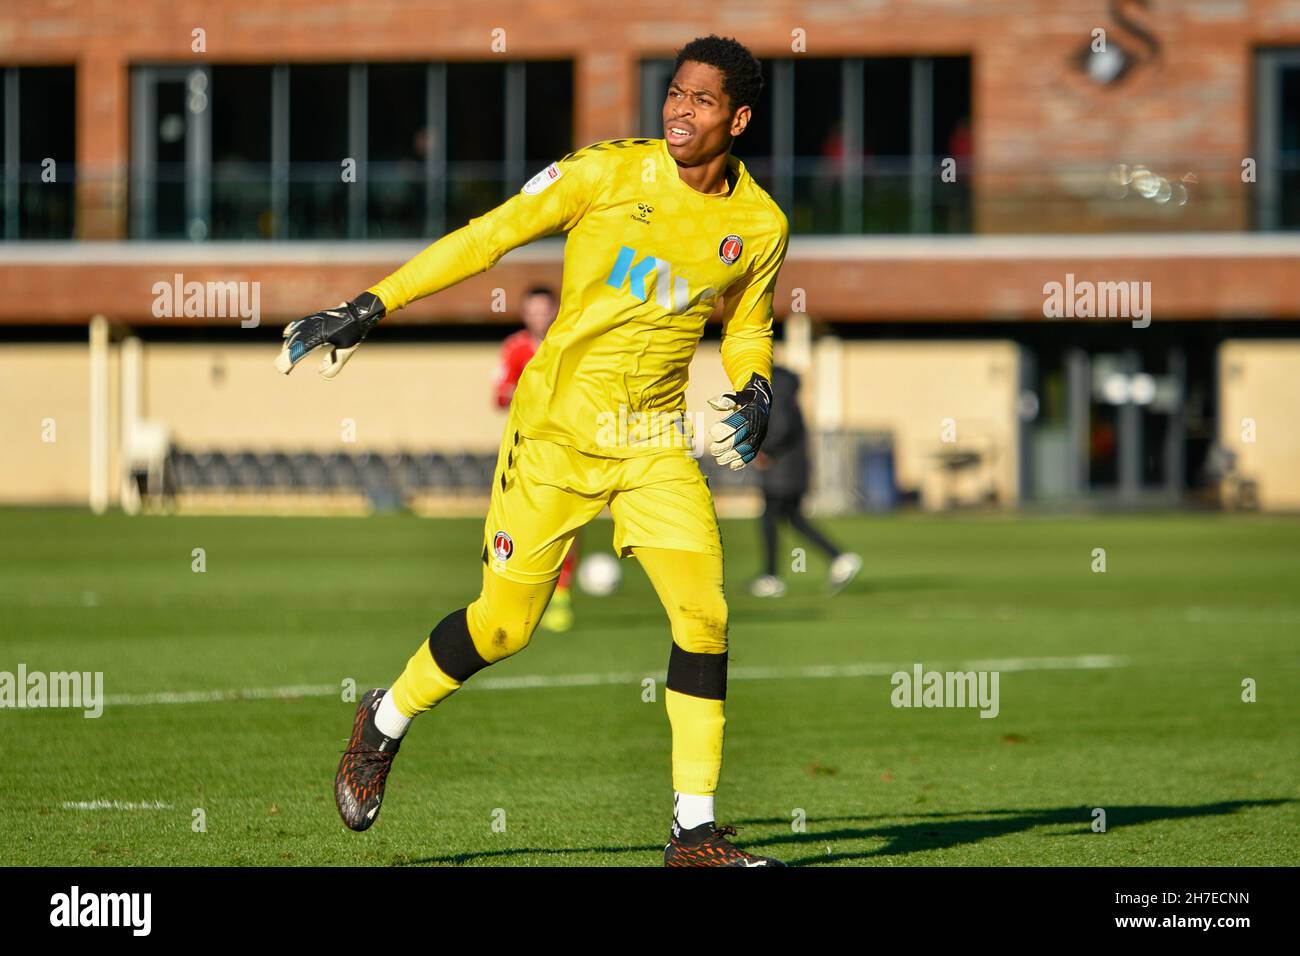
[(734, 163)]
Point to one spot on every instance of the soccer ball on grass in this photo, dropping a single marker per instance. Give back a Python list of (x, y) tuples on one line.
[(599, 574)]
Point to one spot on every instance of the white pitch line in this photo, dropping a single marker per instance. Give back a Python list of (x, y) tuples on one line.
[(212, 696), (1086, 662), (114, 805), (545, 681)]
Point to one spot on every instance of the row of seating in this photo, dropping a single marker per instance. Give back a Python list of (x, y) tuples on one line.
[(368, 472)]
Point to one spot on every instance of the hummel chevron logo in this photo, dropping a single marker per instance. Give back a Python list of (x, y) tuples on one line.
[(671, 292)]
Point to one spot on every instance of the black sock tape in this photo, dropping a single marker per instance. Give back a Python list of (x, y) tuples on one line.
[(453, 649), (699, 675)]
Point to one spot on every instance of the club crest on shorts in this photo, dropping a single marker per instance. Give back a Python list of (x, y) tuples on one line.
[(503, 546), (729, 248)]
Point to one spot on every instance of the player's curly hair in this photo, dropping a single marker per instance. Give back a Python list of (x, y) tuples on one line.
[(742, 75)]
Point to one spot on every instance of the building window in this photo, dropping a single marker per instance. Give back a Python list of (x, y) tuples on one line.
[(241, 152), (397, 146), (853, 145), (1277, 137), (338, 151), (476, 137), (38, 152)]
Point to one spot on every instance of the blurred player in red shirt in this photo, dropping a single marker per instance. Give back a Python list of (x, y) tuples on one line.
[(538, 311), (540, 306)]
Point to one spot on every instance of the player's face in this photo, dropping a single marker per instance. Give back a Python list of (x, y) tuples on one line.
[(699, 122), (539, 312)]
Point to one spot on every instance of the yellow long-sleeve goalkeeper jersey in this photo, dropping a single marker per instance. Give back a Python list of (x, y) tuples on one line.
[(645, 259)]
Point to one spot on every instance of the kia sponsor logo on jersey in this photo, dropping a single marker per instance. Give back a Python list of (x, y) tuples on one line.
[(729, 249), (503, 546), (672, 292)]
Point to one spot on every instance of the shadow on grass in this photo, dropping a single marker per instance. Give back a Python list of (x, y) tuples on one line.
[(932, 831), (942, 831)]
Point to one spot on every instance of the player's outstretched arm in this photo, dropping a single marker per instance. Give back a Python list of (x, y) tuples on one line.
[(552, 201)]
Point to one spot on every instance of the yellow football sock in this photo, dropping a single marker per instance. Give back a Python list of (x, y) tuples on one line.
[(496, 625), (422, 685), (697, 725), (689, 585)]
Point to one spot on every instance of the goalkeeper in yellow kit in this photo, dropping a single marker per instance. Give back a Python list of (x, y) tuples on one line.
[(658, 231)]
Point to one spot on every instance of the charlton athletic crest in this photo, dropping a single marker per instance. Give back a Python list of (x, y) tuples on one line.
[(729, 248), (503, 546)]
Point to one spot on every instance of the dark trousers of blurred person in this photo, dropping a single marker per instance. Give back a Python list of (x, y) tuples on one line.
[(780, 507), (783, 476)]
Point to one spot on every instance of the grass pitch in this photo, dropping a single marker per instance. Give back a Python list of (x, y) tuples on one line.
[(558, 744)]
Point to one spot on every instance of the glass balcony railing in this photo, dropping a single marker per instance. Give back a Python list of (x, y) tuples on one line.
[(243, 201), (34, 207)]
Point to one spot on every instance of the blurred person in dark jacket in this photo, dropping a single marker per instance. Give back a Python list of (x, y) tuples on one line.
[(783, 476)]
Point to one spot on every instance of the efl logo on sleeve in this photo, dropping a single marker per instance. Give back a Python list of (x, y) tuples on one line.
[(543, 179)]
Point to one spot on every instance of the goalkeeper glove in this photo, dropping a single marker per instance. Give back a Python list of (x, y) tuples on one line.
[(737, 438), (339, 331)]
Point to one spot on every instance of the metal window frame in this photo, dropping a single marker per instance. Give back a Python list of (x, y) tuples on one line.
[(783, 132), (1078, 419), (1175, 450), (358, 148), (1130, 442), (1269, 65), (12, 167), (653, 73), (435, 156), (853, 78), (11, 153), (921, 212), (145, 79), (514, 116), (280, 151)]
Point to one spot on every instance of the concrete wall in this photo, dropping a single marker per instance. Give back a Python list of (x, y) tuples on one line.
[(936, 398), (390, 397), (439, 397), (45, 394), (1259, 395), (229, 398)]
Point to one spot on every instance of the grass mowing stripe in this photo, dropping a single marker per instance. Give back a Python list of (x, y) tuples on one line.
[(523, 682)]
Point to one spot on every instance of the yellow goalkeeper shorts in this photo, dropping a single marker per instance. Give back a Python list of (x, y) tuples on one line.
[(544, 492)]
